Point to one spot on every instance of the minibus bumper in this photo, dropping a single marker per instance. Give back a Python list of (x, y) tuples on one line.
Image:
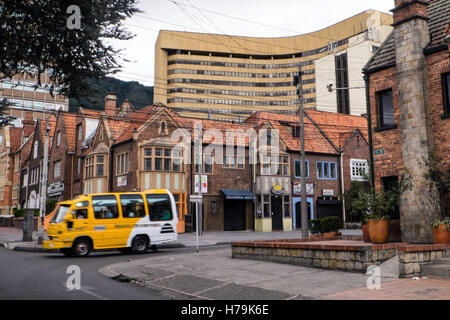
[(52, 244)]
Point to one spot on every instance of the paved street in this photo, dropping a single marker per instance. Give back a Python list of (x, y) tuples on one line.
[(26, 275)]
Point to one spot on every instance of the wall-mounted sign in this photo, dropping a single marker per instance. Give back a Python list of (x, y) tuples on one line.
[(277, 189), (309, 189), (122, 181), (55, 189), (328, 193), (378, 152), (204, 183)]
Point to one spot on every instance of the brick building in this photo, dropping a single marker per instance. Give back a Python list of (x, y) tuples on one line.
[(62, 158), (10, 141), (408, 81), (32, 156), (336, 153), (86, 125)]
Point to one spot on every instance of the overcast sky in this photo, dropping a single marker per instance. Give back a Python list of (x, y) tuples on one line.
[(231, 17)]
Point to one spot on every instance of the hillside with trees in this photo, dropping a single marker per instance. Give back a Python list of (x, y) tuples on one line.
[(138, 94)]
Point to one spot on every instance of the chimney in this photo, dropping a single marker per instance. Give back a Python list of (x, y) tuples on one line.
[(412, 35), (28, 124), (111, 105), (407, 10)]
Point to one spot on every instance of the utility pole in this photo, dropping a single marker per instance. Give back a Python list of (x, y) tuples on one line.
[(198, 158), (43, 206), (304, 207)]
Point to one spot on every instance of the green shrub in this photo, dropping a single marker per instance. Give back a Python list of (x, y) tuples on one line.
[(330, 224), (314, 226), (19, 213)]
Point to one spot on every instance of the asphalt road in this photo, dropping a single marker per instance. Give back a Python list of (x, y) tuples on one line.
[(44, 276)]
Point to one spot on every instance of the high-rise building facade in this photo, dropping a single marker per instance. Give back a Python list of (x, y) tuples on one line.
[(25, 96), (237, 75)]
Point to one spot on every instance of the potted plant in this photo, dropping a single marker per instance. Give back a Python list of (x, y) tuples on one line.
[(361, 206), (329, 226), (314, 228), (441, 231), (438, 183)]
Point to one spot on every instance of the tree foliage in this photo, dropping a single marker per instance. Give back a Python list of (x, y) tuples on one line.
[(35, 37)]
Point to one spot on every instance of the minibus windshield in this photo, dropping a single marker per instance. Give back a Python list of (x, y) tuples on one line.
[(60, 214)]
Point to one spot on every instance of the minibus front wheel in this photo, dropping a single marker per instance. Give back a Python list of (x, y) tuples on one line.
[(82, 247)]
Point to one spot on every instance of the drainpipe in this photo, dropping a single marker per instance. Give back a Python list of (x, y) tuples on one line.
[(342, 186), (369, 124), (72, 154)]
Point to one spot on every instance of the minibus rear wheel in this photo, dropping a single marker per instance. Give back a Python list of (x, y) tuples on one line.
[(139, 245), (81, 247)]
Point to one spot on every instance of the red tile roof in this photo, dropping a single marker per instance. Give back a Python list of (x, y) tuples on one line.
[(70, 122)]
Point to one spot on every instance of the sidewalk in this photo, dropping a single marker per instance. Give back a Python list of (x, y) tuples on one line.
[(213, 274), (11, 238)]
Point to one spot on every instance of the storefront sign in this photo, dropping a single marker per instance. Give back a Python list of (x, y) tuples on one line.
[(204, 183), (309, 189), (277, 189), (122, 181), (55, 189), (328, 193)]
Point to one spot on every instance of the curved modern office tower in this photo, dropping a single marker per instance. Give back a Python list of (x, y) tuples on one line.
[(230, 76)]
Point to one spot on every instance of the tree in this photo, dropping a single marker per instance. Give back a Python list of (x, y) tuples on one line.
[(65, 37), (4, 118)]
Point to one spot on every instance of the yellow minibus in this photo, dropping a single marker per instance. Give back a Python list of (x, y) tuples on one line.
[(129, 222)]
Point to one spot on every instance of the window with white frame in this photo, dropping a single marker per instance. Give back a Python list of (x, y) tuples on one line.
[(57, 169), (359, 169), (58, 138), (35, 149)]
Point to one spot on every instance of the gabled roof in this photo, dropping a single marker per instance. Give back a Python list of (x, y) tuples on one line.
[(439, 14), (323, 130)]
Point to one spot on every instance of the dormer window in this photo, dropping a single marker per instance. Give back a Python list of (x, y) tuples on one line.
[(163, 128)]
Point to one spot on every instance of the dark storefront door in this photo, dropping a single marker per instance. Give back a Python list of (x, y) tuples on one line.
[(277, 213), (234, 215), (298, 214)]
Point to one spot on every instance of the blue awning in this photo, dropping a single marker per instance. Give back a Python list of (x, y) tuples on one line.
[(238, 195)]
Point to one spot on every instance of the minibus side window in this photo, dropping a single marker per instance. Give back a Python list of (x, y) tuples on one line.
[(105, 207), (80, 214), (132, 206), (159, 207)]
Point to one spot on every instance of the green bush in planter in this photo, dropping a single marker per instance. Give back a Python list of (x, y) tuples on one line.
[(19, 213), (314, 226), (331, 224)]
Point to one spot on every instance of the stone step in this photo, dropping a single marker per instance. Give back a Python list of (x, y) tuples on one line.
[(439, 268), (436, 270)]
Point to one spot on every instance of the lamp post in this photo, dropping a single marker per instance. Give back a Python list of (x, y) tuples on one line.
[(304, 207), (43, 206)]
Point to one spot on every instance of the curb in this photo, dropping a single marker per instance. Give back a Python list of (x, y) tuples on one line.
[(37, 248)]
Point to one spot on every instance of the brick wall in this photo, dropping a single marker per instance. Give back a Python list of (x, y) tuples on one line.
[(389, 163)]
